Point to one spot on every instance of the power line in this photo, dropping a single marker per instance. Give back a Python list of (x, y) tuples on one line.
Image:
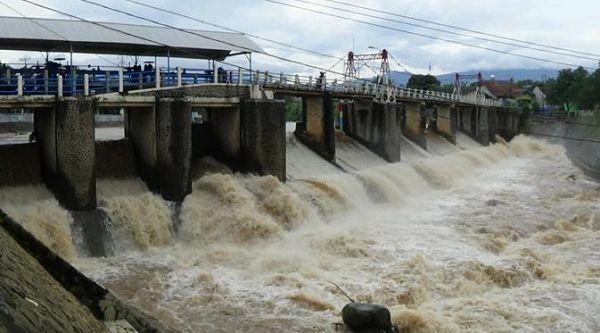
[(48, 29), (190, 32), (251, 35), (448, 31), (428, 36), (34, 21), (232, 30), (462, 29), (215, 39)]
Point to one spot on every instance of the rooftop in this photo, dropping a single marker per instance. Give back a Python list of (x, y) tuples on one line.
[(55, 35)]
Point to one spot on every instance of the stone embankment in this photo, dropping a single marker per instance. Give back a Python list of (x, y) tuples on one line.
[(41, 292)]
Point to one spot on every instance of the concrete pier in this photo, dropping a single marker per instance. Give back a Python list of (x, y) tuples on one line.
[(474, 122), (65, 135), (174, 147), (317, 129), (376, 125), (482, 134), (161, 136), (414, 129), (446, 122), (140, 128), (263, 137)]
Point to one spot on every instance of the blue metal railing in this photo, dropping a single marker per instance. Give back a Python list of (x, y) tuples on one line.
[(100, 82)]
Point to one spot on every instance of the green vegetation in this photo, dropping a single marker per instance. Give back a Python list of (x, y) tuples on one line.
[(293, 109), (425, 82), (572, 89)]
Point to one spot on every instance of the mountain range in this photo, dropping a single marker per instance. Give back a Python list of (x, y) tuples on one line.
[(401, 78)]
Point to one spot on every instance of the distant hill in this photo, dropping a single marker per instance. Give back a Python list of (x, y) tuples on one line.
[(500, 74)]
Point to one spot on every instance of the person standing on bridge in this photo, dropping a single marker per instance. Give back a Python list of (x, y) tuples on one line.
[(321, 81)]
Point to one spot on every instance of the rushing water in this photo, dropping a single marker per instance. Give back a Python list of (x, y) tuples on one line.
[(492, 239)]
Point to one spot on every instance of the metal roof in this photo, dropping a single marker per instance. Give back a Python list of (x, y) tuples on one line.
[(53, 35)]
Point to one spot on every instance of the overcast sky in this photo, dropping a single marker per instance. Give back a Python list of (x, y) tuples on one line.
[(569, 24)]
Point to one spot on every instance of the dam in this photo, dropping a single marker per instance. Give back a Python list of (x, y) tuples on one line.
[(199, 208)]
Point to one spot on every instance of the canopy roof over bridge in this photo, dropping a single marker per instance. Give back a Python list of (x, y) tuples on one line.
[(53, 35)]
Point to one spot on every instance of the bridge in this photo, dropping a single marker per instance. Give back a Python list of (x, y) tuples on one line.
[(245, 126)]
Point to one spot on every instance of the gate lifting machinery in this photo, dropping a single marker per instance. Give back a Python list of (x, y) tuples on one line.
[(351, 72), (460, 78)]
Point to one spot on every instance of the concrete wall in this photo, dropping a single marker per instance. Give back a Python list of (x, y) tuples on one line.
[(508, 123), (20, 165), (115, 159), (56, 281), (314, 108), (174, 147), (45, 129), (474, 121), (141, 131), (263, 137), (376, 125), (446, 122), (414, 129), (226, 127), (579, 135), (317, 129)]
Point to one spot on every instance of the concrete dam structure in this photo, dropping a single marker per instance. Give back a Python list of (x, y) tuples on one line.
[(203, 210)]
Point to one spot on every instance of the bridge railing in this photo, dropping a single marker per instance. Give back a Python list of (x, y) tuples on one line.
[(90, 82)]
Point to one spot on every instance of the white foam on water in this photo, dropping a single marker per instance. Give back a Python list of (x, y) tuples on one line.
[(493, 239)]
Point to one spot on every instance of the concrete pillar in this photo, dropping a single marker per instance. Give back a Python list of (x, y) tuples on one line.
[(446, 122), (317, 129), (377, 126), (66, 140), (263, 137), (415, 130), (492, 123), (482, 134), (174, 147)]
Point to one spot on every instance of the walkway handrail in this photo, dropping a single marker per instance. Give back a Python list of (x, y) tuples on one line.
[(92, 81)]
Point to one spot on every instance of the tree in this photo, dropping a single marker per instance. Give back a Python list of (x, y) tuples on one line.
[(566, 88), (588, 96), (293, 109), (425, 82)]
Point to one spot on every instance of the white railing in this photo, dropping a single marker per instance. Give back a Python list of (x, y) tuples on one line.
[(180, 77)]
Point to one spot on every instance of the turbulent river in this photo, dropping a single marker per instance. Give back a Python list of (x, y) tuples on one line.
[(495, 239)]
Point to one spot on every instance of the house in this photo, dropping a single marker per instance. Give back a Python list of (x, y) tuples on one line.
[(509, 91)]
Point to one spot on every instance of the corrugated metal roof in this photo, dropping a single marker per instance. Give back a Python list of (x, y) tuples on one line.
[(38, 34)]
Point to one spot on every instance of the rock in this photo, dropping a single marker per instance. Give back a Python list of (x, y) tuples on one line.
[(361, 317)]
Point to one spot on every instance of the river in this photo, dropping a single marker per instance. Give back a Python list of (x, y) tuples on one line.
[(492, 239)]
